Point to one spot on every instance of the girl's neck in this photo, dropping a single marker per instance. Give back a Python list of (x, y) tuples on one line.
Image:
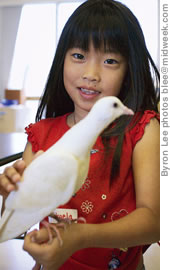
[(74, 118)]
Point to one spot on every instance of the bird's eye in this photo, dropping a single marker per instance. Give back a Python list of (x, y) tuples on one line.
[(115, 105)]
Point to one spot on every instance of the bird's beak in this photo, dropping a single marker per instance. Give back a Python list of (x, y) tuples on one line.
[(127, 111)]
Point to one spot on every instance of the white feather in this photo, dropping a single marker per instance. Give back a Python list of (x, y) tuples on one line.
[(54, 177)]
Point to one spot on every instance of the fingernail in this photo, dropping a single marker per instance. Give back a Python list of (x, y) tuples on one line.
[(10, 187), (16, 177), (20, 162), (34, 237)]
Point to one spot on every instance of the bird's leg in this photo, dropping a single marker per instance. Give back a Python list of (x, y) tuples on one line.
[(82, 219), (67, 220), (50, 226), (61, 223)]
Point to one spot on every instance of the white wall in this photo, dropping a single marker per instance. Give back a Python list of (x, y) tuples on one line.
[(0, 51), (147, 12), (20, 2), (9, 19)]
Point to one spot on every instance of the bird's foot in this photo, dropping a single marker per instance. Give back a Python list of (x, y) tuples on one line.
[(61, 223), (60, 220), (80, 219), (67, 220), (54, 227)]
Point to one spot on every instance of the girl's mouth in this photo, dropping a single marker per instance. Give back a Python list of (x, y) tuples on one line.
[(87, 93)]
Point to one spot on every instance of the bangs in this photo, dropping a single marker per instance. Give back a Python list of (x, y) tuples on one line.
[(100, 26)]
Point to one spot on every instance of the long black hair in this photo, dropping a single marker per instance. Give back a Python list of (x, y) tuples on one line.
[(110, 24)]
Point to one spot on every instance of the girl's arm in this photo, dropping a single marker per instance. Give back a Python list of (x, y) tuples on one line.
[(142, 225), (138, 228)]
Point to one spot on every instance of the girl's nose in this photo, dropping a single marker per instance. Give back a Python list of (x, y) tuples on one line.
[(91, 74)]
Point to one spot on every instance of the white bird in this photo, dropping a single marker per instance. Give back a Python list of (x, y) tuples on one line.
[(55, 176)]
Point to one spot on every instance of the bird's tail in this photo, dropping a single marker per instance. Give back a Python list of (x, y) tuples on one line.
[(6, 215)]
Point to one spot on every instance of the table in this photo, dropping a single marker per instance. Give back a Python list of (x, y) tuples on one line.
[(11, 146), (13, 257)]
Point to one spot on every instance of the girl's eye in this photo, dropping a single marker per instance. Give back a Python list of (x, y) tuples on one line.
[(110, 61), (78, 56)]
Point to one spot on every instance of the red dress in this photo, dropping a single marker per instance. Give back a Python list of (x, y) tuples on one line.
[(97, 201)]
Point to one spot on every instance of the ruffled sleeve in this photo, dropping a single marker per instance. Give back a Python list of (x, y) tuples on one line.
[(32, 137), (138, 131), (46, 132)]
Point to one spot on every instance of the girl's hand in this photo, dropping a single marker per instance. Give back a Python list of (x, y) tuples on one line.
[(10, 177), (52, 256)]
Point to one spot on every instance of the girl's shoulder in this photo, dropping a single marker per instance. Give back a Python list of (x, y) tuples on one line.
[(44, 133), (139, 122), (46, 124)]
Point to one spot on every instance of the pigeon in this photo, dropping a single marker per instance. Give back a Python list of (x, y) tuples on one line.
[(55, 176)]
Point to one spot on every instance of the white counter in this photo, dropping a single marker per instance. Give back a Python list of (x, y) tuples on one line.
[(13, 257), (14, 118)]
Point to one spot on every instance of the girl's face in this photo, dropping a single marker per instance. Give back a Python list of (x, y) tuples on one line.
[(91, 75)]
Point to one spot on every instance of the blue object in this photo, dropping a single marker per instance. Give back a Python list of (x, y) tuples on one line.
[(8, 102)]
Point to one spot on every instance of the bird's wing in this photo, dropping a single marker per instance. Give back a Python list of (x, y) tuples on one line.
[(6, 215), (19, 221), (39, 194), (47, 181)]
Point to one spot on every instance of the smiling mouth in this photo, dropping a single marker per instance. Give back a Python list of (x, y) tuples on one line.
[(89, 92)]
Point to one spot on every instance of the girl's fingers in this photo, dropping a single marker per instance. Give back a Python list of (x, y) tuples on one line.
[(15, 171), (37, 237), (6, 184), (11, 176), (29, 242), (3, 190), (37, 266), (20, 166), (33, 241)]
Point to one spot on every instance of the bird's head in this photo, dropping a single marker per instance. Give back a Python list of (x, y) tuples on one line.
[(109, 108)]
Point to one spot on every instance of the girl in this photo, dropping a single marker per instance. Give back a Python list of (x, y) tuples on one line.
[(101, 52)]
